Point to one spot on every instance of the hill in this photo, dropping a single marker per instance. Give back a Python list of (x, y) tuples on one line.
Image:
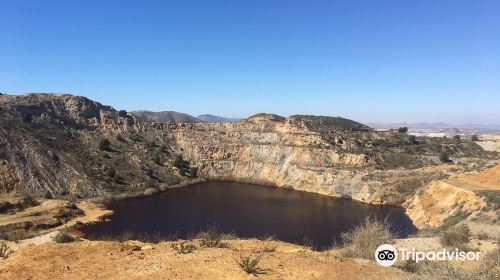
[(165, 116), (213, 118)]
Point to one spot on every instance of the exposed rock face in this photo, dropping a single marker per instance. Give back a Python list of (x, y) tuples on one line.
[(50, 143), (438, 201)]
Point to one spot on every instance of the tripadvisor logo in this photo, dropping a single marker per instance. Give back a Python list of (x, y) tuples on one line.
[(387, 255)]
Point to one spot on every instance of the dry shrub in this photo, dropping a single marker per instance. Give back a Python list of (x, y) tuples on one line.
[(183, 247), (362, 241), (5, 250), (250, 264), (456, 237)]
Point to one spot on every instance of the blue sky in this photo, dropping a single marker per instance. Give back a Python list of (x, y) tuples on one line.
[(372, 61)]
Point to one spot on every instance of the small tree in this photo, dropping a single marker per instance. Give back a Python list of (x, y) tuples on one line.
[(456, 137), (403, 129), (474, 137), (105, 144), (444, 157), (122, 113)]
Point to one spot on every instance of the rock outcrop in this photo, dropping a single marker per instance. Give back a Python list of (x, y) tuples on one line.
[(52, 143)]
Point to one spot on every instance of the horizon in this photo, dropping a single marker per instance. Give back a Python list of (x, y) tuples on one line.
[(397, 63), (256, 113)]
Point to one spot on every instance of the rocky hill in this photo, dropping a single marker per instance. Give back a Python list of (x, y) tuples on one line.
[(166, 116), (212, 118), (63, 145)]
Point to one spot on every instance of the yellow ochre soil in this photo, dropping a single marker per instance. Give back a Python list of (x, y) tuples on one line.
[(113, 260)]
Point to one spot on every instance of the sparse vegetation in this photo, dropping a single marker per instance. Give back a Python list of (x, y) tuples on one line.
[(408, 187), (444, 157), (65, 237), (5, 250), (250, 264), (211, 237), (269, 248), (363, 240), (105, 144), (193, 172), (456, 237), (183, 247), (48, 195)]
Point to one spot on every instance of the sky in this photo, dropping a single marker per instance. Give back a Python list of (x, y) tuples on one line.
[(371, 61)]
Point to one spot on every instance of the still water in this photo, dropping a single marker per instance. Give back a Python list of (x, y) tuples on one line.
[(248, 211)]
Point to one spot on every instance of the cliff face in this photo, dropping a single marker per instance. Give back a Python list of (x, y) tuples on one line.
[(273, 152), (53, 143)]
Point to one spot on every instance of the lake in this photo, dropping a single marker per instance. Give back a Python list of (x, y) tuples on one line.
[(248, 211)]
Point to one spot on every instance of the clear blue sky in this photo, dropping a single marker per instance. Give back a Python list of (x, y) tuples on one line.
[(372, 61)]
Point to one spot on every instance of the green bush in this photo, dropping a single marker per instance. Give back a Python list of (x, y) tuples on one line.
[(474, 138), (48, 195), (403, 129), (105, 144), (444, 157)]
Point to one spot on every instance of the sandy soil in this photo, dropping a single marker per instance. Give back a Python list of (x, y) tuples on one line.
[(488, 179), (112, 260)]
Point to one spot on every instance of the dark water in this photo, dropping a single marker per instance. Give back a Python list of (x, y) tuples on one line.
[(247, 210)]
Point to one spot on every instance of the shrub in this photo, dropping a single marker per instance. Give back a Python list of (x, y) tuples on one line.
[(457, 237), (456, 137), (122, 113), (5, 250), (474, 138), (193, 172), (157, 158), (105, 144), (48, 195), (183, 247), (250, 264), (412, 139), (444, 157), (180, 163), (65, 237), (403, 129), (362, 241), (269, 249), (211, 237)]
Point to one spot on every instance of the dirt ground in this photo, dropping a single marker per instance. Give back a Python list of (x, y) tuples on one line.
[(113, 260), (488, 179)]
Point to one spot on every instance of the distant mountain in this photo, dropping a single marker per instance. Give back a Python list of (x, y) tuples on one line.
[(211, 118), (437, 125), (166, 116)]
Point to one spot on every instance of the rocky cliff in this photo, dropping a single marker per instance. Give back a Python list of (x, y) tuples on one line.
[(71, 146)]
